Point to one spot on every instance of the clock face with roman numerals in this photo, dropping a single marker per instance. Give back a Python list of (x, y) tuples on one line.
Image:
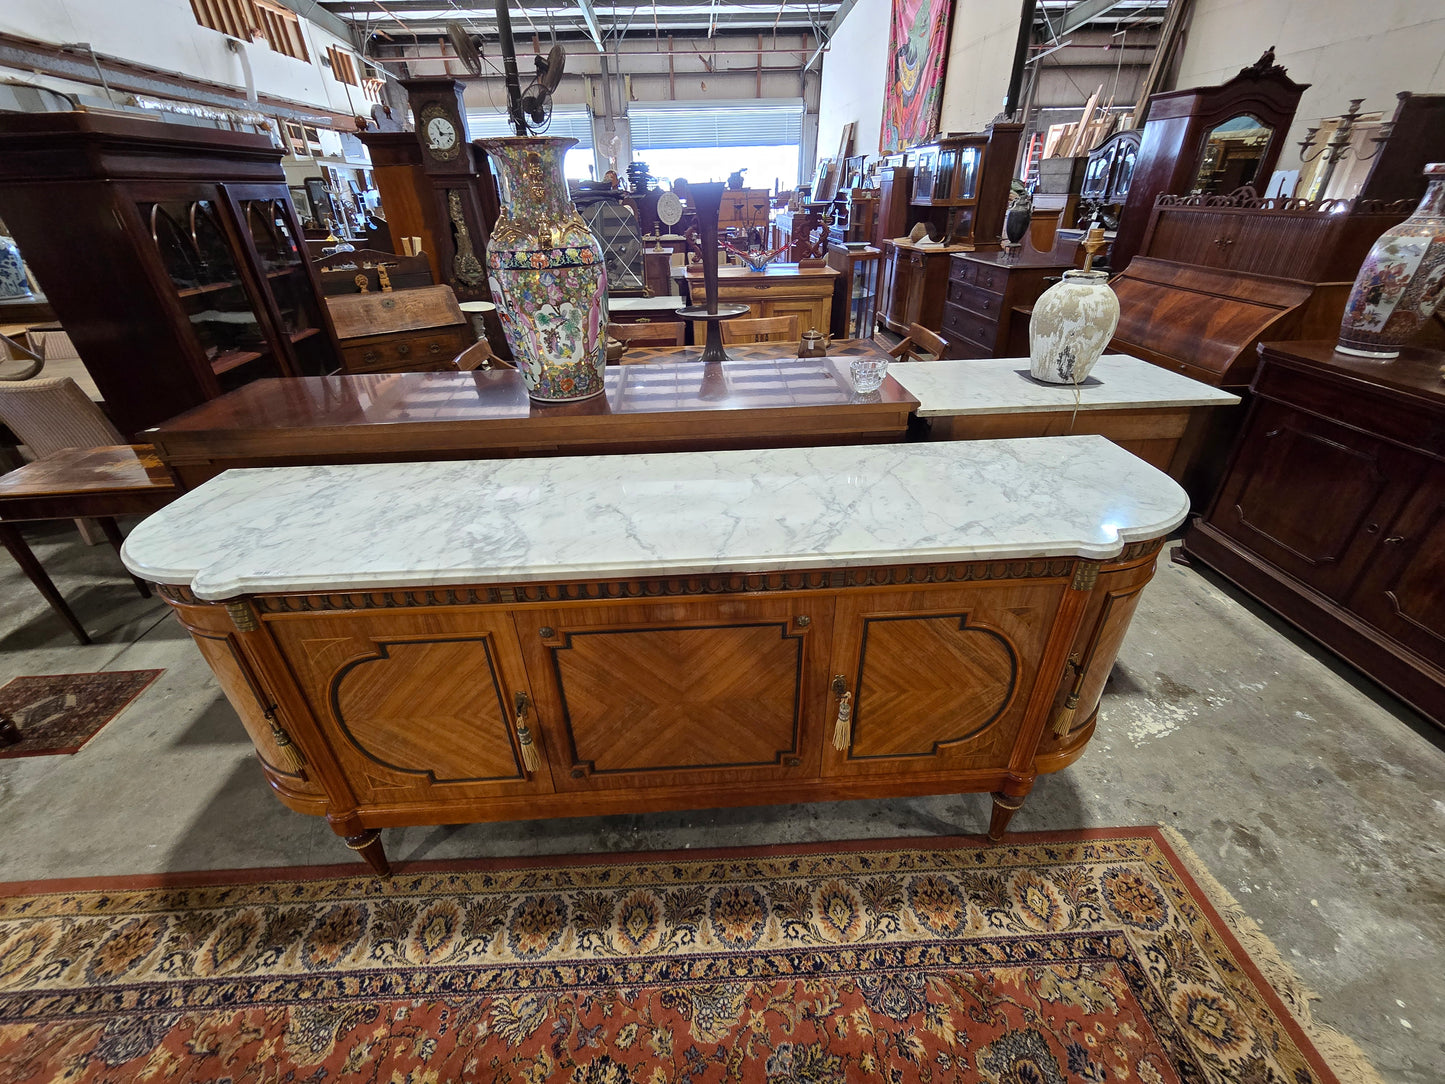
[(437, 129)]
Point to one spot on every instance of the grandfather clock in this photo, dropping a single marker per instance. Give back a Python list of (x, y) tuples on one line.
[(462, 189)]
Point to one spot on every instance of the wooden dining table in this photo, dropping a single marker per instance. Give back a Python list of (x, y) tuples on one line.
[(665, 400)]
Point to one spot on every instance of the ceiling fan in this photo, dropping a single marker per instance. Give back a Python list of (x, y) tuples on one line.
[(531, 112)]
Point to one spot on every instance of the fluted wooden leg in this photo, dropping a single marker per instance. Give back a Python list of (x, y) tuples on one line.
[(368, 845), (1004, 807)]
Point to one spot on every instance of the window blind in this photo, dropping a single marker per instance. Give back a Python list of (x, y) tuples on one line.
[(575, 123), (673, 126)]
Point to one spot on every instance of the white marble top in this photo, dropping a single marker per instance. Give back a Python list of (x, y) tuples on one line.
[(1003, 386), (371, 526), (660, 303)]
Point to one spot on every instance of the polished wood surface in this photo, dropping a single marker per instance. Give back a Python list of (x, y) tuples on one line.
[(502, 702), (402, 331), (80, 482), (762, 396), (983, 290), (777, 290), (660, 333), (764, 329), (1172, 142), (1332, 511), (1164, 437)]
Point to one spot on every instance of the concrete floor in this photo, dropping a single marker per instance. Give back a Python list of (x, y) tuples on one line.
[(1316, 799)]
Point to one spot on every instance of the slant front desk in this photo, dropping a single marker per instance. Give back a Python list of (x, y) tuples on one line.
[(761, 397), (510, 639)]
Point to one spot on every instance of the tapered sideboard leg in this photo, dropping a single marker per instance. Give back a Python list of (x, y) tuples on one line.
[(1004, 807), (368, 845)]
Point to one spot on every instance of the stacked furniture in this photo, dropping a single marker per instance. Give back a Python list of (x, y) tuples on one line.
[(171, 253), (1332, 512), (1186, 136), (958, 189)]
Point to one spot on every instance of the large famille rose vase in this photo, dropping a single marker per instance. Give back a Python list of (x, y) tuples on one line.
[(1072, 322), (1401, 281), (547, 274)]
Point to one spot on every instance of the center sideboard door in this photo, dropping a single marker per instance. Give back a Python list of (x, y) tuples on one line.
[(682, 694), (418, 705), (939, 679)]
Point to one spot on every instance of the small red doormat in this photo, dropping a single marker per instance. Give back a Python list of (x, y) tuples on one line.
[(1076, 958), (59, 713)]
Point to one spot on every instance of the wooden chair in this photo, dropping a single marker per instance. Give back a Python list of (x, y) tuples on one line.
[(479, 356), (920, 345), (664, 333), (763, 329)]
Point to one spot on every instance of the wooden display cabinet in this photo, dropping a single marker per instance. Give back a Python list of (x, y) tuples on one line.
[(855, 301), (961, 184), (171, 254), (915, 283)]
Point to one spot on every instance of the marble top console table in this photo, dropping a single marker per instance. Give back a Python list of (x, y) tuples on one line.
[(1157, 414), (522, 638), (762, 396)]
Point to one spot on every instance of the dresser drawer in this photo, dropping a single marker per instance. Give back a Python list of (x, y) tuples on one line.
[(976, 299), (409, 352), (978, 274), (961, 323), (965, 350)]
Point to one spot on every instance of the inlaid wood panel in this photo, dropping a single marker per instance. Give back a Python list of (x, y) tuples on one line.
[(669, 692), (983, 672), (939, 679), (416, 706)]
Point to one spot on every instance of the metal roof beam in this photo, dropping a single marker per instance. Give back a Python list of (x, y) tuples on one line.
[(1085, 11)]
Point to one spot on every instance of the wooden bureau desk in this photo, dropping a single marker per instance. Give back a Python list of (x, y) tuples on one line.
[(780, 289), (761, 397)]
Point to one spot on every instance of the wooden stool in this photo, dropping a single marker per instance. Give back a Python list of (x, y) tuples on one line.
[(103, 483)]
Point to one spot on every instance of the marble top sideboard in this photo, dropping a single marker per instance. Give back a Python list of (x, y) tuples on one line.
[(1003, 386), (272, 530)]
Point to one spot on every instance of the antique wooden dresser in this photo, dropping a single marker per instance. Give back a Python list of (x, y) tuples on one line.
[(1332, 512), (558, 637), (401, 331)]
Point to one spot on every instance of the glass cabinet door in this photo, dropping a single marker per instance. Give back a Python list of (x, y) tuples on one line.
[(203, 269), (923, 176), (968, 162), (281, 258)]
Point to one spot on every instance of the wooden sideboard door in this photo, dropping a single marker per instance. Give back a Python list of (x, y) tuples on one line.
[(891, 649), (1403, 592), (657, 694), (418, 705), (1311, 496)]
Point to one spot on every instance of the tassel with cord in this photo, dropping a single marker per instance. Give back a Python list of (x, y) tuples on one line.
[(1064, 717), (530, 760), (289, 757), (843, 725)]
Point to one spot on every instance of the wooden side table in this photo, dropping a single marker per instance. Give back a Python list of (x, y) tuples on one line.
[(81, 482)]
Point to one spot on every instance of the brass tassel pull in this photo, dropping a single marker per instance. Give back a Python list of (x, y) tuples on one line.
[(843, 724), (530, 759), (289, 756), (1064, 717)]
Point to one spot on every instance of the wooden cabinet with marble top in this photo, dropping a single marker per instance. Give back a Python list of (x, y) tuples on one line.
[(535, 638)]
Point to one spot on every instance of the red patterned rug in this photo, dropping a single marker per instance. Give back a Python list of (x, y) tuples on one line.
[(1083, 958), (59, 713)]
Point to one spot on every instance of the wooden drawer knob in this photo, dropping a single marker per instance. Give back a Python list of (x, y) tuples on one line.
[(403, 349)]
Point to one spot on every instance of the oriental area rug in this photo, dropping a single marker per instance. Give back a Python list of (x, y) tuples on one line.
[(59, 713), (1089, 957)]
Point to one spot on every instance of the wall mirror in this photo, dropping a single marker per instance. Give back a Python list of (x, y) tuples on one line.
[(1232, 153)]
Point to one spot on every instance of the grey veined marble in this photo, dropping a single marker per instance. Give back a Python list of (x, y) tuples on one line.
[(366, 526), (1003, 386)]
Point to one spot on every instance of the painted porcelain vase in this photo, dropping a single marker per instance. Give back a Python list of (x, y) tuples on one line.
[(1072, 322), (547, 274), (13, 282), (1401, 281)]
